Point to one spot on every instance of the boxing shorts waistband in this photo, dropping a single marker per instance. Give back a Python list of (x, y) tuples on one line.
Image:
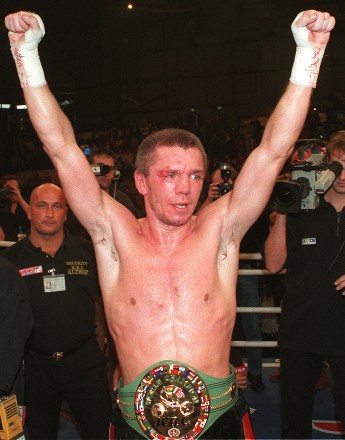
[(173, 400)]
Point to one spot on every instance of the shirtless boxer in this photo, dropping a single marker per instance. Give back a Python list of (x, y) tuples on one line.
[(169, 280)]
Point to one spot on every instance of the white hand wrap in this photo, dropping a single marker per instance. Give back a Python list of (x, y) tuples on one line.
[(305, 69), (25, 54)]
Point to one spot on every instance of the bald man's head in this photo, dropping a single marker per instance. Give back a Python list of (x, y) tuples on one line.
[(48, 210)]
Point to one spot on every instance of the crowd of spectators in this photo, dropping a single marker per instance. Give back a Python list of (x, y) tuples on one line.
[(227, 141)]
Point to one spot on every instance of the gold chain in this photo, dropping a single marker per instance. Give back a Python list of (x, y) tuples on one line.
[(223, 394), (127, 415), (220, 405), (124, 403)]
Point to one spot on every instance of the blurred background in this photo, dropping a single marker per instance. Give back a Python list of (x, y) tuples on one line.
[(194, 63)]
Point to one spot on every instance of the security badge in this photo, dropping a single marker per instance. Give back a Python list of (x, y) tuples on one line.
[(172, 401), (308, 241), (54, 283)]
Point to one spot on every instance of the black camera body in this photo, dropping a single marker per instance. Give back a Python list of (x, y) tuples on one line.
[(224, 188), (100, 169), (5, 202), (225, 173)]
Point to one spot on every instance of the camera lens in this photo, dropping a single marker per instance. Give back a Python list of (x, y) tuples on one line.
[(224, 188), (285, 196)]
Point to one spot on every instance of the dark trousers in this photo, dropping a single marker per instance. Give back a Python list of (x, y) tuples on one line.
[(80, 380), (299, 374), (227, 426)]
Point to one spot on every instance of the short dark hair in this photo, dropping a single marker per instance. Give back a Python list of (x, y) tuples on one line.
[(101, 151), (336, 143), (4, 179), (168, 137)]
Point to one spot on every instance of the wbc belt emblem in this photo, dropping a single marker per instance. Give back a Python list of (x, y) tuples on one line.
[(172, 401)]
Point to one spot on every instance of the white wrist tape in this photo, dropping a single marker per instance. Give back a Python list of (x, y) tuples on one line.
[(25, 54), (305, 69)]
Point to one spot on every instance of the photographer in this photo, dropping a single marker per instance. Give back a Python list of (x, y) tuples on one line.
[(311, 246), (105, 156), (222, 181), (13, 210)]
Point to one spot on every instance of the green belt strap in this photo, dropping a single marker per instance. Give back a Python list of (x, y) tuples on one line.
[(221, 399)]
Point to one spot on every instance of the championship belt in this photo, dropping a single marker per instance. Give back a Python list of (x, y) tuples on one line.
[(172, 401)]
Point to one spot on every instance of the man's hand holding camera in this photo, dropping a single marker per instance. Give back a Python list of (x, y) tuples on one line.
[(213, 192), (16, 197), (14, 194), (222, 182)]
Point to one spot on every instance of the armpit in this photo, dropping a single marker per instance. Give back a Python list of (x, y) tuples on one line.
[(230, 241), (100, 240), (107, 247)]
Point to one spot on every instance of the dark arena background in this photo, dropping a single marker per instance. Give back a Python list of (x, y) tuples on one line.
[(203, 62), (211, 66)]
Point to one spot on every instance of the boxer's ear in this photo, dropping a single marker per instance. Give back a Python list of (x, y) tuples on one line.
[(140, 182)]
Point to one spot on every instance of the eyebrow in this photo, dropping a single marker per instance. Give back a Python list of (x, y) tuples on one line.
[(50, 203), (178, 170), (199, 172)]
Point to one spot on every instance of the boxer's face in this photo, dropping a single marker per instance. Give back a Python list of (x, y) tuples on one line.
[(173, 185)]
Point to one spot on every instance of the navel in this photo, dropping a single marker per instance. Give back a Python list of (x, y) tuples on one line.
[(206, 297), (133, 301)]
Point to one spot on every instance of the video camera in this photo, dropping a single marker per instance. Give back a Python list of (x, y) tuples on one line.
[(102, 170), (311, 176), (226, 173), (5, 202)]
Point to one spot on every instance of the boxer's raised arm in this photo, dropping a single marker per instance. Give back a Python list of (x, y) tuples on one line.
[(25, 32), (51, 124), (311, 30)]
